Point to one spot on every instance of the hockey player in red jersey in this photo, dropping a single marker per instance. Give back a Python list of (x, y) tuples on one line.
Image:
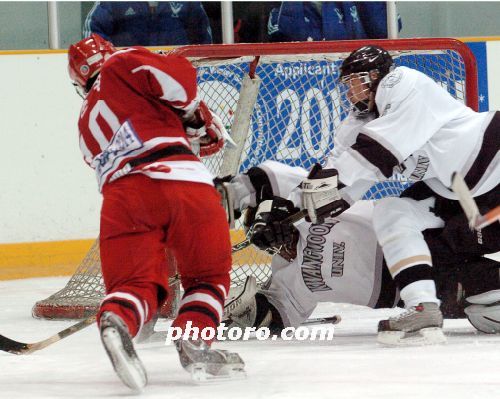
[(401, 121), (140, 115)]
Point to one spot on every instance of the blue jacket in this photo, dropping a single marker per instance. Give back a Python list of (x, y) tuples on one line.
[(340, 20), (132, 23)]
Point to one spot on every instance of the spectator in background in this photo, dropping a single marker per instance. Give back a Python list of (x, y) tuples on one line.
[(149, 23), (336, 20), (250, 20)]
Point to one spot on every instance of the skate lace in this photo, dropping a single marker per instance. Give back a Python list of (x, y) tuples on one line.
[(409, 312)]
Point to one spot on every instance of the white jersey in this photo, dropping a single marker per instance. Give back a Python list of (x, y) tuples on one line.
[(423, 133), (337, 261)]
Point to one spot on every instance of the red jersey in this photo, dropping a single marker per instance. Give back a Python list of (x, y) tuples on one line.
[(130, 121)]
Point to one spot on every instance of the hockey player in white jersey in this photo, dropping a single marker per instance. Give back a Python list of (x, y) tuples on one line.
[(403, 122), (335, 261)]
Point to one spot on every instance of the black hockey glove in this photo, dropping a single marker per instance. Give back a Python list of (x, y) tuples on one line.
[(267, 231), (321, 196)]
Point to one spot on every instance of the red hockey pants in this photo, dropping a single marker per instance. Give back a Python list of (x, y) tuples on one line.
[(140, 217)]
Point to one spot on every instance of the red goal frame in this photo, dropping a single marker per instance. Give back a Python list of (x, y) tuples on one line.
[(226, 51)]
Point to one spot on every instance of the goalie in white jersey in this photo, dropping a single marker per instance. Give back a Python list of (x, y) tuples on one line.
[(403, 122), (338, 260)]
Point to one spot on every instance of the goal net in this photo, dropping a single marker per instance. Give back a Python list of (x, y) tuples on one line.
[(280, 102)]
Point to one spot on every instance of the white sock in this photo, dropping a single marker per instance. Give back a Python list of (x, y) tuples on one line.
[(418, 292)]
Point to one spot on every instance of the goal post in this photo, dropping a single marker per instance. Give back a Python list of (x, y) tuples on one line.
[(239, 129), (280, 101)]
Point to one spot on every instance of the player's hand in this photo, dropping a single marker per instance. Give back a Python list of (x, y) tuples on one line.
[(207, 129), (321, 196), (267, 231)]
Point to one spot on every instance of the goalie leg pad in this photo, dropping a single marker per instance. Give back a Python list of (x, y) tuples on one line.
[(242, 309), (484, 313)]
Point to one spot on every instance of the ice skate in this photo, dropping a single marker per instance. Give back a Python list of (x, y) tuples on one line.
[(204, 363), (419, 325), (118, 344)]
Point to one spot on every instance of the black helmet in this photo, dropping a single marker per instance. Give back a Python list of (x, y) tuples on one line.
[(366, 59)]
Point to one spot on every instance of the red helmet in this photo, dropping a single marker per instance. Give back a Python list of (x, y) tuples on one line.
[(86, 57)]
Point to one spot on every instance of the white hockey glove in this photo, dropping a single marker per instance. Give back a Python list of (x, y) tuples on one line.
[(321, 196), (267, 231), (484, 313), (207, 129)]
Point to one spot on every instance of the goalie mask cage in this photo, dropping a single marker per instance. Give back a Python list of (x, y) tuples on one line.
[(288, 111)]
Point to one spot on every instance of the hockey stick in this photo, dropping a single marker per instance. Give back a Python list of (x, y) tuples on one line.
[(476, 220), (21, 348), (241, 245), (335, 319)]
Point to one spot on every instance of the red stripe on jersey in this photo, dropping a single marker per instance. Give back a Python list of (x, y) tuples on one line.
[(105, 128)]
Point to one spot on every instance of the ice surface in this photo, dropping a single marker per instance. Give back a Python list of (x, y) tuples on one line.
[(353, 365)]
